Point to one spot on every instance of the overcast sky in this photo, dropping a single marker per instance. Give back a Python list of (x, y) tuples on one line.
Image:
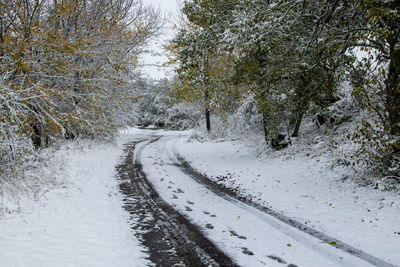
[(166, 6), (152, 61)]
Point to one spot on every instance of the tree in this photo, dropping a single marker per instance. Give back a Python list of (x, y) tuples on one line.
[(66, 68), (376, 85), (383, 35), (202, 69), (292, 54)]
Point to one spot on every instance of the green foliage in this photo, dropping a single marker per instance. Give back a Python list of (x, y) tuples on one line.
[(203, 68), (376, 82), (293, 55)]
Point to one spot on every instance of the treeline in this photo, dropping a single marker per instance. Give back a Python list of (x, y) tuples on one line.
[(66, 70), (154, 106), (291, 57)]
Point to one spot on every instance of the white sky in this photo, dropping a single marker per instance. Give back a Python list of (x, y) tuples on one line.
[(165, 5), (154, 57)]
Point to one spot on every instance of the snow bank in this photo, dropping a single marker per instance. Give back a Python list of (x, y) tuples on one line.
[(305, 188), (79, 223)]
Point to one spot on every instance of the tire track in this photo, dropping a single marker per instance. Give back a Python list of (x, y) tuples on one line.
[(232, 196), (171, 239)]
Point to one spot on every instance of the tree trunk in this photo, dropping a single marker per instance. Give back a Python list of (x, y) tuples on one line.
[(299, 118), (303, 98), (37, 134), (207, 109), (265, 126), (208, 120), (393, 93)]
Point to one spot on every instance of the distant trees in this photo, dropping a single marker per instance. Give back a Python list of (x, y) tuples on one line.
[(153, 105), (293, 55), (65, 68), (152, 102)]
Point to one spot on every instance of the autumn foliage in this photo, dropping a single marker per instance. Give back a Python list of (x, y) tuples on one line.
[(65, 69)]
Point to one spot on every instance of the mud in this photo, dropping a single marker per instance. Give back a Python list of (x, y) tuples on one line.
[(170, 238), (234, 195)]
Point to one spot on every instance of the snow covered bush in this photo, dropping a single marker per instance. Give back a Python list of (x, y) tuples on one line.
[(154, 106), (182, 116), (16, 147), (376, 149), (153, 101), (378, 134), (243, 123)]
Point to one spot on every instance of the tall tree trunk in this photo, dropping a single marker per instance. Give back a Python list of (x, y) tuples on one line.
[(207, 109), (393, 92), (36, 126), (302, 100), (299, 118), (37, 134), (208, 120), (265, 126)]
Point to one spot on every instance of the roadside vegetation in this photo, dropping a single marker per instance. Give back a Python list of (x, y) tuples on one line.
[(66, 71), (308, 76), (276, 65)]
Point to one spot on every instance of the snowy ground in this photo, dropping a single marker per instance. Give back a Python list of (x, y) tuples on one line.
[(80, 223), (305, 189)]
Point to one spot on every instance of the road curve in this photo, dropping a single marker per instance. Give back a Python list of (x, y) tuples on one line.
[(152, 176), (232, 196), (170, 238)]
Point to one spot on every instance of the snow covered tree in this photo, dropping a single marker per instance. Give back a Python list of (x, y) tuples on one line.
[(203, 67), (376, 85), (66, 68), (193, 74), (153, 101), (266, 36)]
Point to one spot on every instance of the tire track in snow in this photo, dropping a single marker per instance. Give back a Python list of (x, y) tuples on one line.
[(231, 196), (176, 231)]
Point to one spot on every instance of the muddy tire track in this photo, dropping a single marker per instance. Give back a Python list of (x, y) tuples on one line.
[(170, 238), (232, 195)]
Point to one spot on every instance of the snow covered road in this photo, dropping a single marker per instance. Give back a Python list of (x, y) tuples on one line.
[(249, 236), (170, 238), (197, 204)]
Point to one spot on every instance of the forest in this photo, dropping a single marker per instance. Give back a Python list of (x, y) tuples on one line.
[(66, 72), (69, 69), (287, 61)]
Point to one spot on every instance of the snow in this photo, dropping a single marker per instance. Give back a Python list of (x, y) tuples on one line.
[(290, 186), (80, 223), (305, 189)]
